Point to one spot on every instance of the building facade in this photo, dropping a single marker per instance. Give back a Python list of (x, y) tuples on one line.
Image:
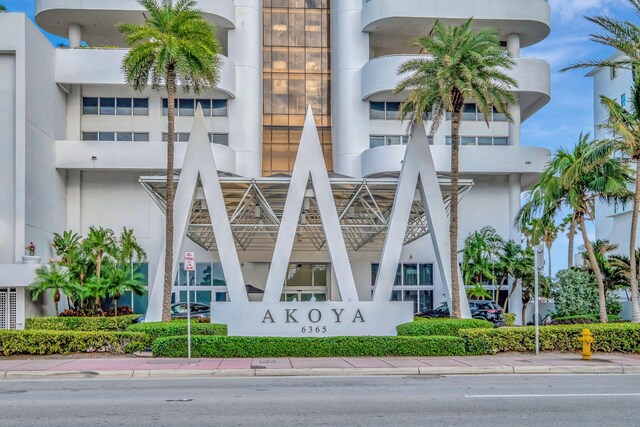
[(80, 148)]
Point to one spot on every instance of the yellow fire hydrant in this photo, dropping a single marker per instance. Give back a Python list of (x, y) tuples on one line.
[(586, 339)]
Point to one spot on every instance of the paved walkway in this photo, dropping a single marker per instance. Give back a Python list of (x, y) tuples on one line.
[(141, 367)]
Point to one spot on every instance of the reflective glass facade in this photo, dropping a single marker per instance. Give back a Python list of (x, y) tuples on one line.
[(297, 73)]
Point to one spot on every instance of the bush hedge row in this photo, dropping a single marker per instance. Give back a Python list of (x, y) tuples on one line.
[(609, 337), (218, 346), (155, 330), (440, 327), (509, 319), (43, 342), (582, 319), (119, 323)]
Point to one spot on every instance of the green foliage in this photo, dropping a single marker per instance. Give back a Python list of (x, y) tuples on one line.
[(208, 346), (54, 279), (609, 337), (440, 327), (477, 291), (482, 250), (582, 319), (42, 342), (174, 328), (103, 324), (575, 293), (2, 8), (509, 319)]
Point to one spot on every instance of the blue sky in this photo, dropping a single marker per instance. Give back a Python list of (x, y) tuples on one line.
[(571, 108)]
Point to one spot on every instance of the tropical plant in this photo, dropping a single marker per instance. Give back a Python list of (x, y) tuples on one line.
[(118, 280), (176, 44), (621, 266), (463, 66), (478, 292), (623, 123), (542, 230), (568, 224), (99, 242), (575, 179), (65, 245), (53, 278), (602, 250), (482, 249), (575, 293), (2, 8), (522, 272)]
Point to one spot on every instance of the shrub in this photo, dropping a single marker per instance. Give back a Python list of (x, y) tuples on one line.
[(582, 320), (43, 342), (575, 293), (87, 324), (509, 319), (622, 337), (155, 330), (208, 346), (440, 327)]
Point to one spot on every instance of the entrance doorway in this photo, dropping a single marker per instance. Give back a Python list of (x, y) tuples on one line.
[(306, 282)]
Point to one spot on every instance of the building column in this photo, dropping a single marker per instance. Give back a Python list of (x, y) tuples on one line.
[(74, 201), (515, 303), (350, 114), (245, 111), (75, 35), (21, 307), (513, 47)]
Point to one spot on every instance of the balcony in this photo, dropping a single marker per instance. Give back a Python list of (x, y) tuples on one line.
[(380, 77), (99, 18), (102, 67), (474, 160), (407, 19), (132, 156)]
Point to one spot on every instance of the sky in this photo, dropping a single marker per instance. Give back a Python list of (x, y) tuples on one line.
[(570, 111)]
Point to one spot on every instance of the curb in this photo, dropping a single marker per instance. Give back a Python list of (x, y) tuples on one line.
[(310, 372)]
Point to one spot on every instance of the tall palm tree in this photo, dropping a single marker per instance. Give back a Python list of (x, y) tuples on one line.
[(52, 278), (623, 124), (175, 45), (569, 224), (129, 250), (575, 179), (522, 269), (541, 230), (506, 265), (2, 8), (482, 250), (99, 242), (462, 66)]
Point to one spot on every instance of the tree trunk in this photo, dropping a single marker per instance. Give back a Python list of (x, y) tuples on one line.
[(453, 214), (596, 270), (98, 263), (115, 307), (571, 236), (633, 270), (56, 300), (168, 260), (549, 257)]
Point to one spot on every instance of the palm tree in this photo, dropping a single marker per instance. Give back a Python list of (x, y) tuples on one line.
[(623, 124), (463, 66), (569, 222), (2, 8), (53, 278), (118, 280), (175, 45), (65, 244), (99, 242), (575, 179), (542, 230), (507, 262), (522, 269), (621, 266), (602, 250), (480, 255)]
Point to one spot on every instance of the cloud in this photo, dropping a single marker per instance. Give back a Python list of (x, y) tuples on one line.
[(569, 9)]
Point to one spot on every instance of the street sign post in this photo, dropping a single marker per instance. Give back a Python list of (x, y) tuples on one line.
[(538, 265), (189, 266)]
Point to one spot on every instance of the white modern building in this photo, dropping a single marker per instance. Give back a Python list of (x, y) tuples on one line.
[(613, 221), (79, 148)]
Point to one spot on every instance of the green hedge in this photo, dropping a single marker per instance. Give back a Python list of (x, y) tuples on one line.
[(208, 346), (440, 327), (42, 342), (583, 319), (509, 319), (119, 323), (622, 337), (157, 330)]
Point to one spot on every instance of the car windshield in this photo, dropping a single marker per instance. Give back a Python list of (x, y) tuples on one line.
[(179, 309), (443, 308)]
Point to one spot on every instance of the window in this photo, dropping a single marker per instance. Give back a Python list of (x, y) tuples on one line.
[(178, 137), (124, 106), (89, 105), (186, 107), (499, 117), (140, 106), (381, 140), (107, 106), (141, 137), (384, 110), (89, 136), (219, 138), (481, 140), (413, 282), (206, 284), (469, 112), (614, 72), (623, 99), (115, 106), (306, 282), (116, 136)]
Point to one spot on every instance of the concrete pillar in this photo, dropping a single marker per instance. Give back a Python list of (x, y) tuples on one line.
[(74, 201), (245, 111), (515, 303), (75, 35), (21, 305), (350, 114), (513, 47), (74, 113)]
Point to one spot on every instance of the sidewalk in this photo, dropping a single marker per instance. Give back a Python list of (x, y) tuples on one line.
[(140, 367)]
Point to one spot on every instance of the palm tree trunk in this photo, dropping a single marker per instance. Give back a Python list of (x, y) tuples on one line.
[(168, 260), (115, 305), (453, 214), (56, 300), (572, 235), (549, 257), (596, 270), (633, 270)]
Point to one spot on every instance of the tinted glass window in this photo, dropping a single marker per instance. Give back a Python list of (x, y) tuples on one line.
[(219, 138), (89, 105), (393, 111), (206, 106), (107, 136), (89, 136), (187, 107), (219, 108), (123, 107), (141, 137), (125, 136), (500, 141), (376, 141), (376, 110), (108, 106), (140, 106)]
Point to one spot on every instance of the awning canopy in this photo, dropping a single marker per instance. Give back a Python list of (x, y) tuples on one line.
[(255, 206)]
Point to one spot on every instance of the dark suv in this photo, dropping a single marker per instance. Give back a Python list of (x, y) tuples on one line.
[(485, 310)]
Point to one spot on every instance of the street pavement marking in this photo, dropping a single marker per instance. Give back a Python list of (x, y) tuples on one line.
[(494, 396)]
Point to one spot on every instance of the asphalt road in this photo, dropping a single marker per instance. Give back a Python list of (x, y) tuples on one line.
[(501, 400)]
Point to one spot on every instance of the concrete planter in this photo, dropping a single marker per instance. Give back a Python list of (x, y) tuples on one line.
[(27, 259)]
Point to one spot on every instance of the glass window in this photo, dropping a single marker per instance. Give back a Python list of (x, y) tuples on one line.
[(107, 136), (447, 140), (405, 139), (376, 141), (219, 138), (426, 275), (89, 136), (218, 276), (623, 100), (221, 297), (320, 273), (124, 106), (430, 140), (204, 273), (410, 274), (398, 279), (124, 137), (485, 140), (206, 106), (108, 106), (501, 141), (396, 296), (499, 117), (140, 106), (393, 140), (89, 105), (300, 275), (393, 111), (376, 110), (425, 300), (186, 107), (411, 296), (469, 112), (468, 140), (219, 108), (203, 297), (141, 137), (374, 273)]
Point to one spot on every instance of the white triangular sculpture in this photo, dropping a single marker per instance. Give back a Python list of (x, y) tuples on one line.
[(200, 162), (310, 162), (418, 168)]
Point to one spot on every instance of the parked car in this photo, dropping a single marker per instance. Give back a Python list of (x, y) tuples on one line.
[(485, 310), (179, 311)]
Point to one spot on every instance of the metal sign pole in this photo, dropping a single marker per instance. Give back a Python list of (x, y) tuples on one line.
[(538, 265), (188, 322)]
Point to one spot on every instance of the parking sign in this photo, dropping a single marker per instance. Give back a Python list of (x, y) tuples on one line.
[(189, 262)]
